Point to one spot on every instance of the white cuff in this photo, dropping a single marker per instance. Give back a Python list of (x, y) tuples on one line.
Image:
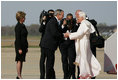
[(62, 26), (43, 23)]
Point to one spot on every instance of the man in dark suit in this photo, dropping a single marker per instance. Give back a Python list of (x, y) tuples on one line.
[(67, 47), (50, 41), (45, 20), (42, 28)]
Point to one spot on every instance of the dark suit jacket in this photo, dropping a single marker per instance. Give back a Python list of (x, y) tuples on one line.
[(21, 36), (43, 26), (53, 35), (74, 29), (42, 29)]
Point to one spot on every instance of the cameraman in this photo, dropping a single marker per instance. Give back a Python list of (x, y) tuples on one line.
[(45, 19), (67, 48)]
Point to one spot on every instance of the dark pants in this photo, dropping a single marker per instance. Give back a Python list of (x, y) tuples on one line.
[(42, 64), (68, 57), (78, 72), (50, 73), (93, 49)]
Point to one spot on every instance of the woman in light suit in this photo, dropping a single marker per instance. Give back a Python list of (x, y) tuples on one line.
[(89, 66)]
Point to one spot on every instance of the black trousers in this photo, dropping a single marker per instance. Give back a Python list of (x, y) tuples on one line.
[(93, 49), (42, 63), (68, 57), (50, 73), (78, 72)]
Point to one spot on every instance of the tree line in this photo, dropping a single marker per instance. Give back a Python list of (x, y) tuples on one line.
[(33, 29)]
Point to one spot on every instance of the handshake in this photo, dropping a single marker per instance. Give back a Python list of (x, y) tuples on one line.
[(66, 35)]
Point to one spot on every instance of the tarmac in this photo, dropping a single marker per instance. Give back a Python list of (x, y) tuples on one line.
[(31, 66)]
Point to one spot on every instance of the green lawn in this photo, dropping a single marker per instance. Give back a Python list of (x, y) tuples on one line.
[(8, 41)]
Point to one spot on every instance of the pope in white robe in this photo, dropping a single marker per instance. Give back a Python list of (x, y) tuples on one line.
[(89, 65)]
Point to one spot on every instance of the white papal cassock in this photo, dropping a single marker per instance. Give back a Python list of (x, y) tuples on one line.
[(89, 65)]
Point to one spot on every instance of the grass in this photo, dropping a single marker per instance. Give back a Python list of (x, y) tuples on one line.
[(8, 41), (13, 37), (14, 47)]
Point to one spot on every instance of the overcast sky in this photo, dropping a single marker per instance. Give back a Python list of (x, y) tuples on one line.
[(101, 11)]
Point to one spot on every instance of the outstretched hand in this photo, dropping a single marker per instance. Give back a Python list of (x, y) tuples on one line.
[(66, 35)]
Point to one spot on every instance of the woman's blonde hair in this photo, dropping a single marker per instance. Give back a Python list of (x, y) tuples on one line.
[(20, 15)]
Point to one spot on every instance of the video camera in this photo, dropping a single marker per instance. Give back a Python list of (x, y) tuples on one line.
[(43, 13), (47, 15)]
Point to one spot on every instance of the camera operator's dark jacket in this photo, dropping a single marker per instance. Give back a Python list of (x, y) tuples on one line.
[(53, 35), (43, 26)]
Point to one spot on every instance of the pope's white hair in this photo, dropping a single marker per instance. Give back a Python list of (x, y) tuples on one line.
[(82, 14)]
